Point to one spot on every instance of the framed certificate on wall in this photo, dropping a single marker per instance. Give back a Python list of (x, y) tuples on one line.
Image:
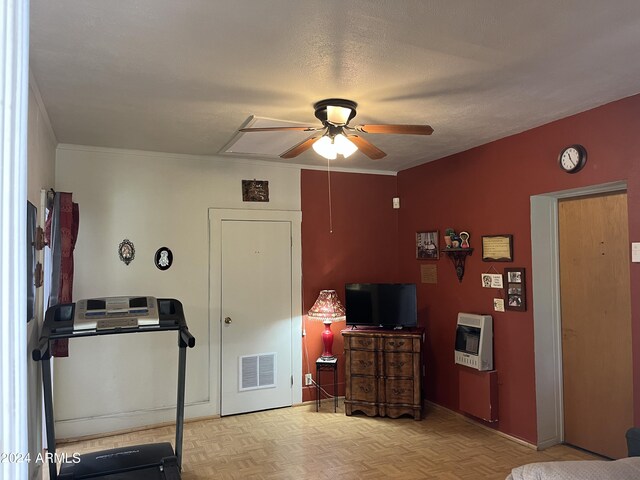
[(497, 248)]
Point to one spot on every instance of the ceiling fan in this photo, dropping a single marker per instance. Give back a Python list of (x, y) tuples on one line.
[(335, 136)]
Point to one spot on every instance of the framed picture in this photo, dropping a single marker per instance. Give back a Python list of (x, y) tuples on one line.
[(497, 248), (427, 245), (514, 281), (255, 190)]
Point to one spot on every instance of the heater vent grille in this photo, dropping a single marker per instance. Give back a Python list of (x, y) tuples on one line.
[(257, 371)]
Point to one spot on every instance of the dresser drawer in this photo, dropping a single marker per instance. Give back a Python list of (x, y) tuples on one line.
[(364, 389), (363, 342), (399, 391), (402, 344), (398, 364), (362, 362)]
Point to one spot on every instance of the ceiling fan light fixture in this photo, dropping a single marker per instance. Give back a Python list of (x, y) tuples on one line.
[(338, 115), (331, 146), (344, 146), (335, 114), (325, 147)]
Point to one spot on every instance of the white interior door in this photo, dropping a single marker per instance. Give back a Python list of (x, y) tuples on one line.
[(256, 316)]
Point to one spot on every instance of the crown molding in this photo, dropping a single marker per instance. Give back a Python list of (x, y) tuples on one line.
[(33, 85), (217, 159)]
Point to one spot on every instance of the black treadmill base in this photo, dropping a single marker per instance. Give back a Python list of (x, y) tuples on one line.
[(151, 473), (138, 462)]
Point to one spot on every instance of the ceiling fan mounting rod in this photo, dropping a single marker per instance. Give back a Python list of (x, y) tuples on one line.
[(333, 130)]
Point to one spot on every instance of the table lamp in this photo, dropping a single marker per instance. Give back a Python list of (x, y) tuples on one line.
[(327, 309)]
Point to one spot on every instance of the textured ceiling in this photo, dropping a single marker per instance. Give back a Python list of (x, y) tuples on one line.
[(182, 76)]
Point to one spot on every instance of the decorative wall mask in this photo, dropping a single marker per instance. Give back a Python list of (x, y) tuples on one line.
[(126, 251), (164, 258)]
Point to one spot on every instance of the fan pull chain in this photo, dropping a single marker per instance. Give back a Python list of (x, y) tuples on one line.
[(329, 183)]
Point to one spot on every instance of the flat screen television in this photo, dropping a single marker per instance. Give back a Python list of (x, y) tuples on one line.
[(387, 305)]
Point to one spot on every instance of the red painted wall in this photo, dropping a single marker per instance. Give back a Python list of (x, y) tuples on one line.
[(363, 247), (487, 191)]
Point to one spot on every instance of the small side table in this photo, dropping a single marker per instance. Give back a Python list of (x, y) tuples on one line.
[(323, 364)]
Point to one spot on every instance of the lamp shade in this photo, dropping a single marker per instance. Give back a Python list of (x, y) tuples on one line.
[(330, 146), (327, 307), (338, 115), (324, 146), (344, 146)]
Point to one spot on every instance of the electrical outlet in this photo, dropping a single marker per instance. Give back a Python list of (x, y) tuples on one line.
[(308, 379)]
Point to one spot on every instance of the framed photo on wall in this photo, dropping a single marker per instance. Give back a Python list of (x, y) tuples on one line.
[(427, 245), (515, 289)]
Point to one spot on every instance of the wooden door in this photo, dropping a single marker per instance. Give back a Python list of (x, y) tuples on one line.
[(256, 316), (596, 322)]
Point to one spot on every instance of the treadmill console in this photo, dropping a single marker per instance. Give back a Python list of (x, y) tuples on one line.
[(115, 312)]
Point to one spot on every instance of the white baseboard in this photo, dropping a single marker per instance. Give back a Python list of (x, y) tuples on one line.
[(127, 421)]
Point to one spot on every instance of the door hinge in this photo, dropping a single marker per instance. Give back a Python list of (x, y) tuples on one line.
[(292, 380)]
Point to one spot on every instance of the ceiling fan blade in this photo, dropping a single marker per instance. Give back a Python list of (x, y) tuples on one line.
[(278, 129), (398, 129), (299, 148), (366, 147)]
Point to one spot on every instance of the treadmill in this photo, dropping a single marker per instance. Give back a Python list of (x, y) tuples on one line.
[(156, 461)]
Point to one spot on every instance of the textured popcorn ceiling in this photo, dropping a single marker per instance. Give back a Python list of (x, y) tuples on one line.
[(183, 76)]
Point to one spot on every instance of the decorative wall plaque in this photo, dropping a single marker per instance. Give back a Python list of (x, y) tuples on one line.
[(255, 190), (163, 258), (126, 251), (429, 273), (497, 248)]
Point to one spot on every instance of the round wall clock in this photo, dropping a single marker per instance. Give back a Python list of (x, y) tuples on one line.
[(572, 158)]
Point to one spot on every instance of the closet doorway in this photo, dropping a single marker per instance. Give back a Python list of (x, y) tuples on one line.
[(255, 304)]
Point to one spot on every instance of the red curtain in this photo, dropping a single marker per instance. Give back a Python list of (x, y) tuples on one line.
[(68, 220)]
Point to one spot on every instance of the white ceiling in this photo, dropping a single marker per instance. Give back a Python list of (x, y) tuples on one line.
[(182, 76)]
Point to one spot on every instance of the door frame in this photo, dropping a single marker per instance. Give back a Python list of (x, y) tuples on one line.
[(216, 217), (545, 267)]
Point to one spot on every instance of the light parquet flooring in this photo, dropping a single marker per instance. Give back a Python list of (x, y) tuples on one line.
[(298, 443)]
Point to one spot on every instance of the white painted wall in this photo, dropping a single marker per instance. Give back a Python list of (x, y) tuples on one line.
[(41, 156), (154, 200), (41, 149)]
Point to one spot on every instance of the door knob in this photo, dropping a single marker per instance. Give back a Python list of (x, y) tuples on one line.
[(227, 320)]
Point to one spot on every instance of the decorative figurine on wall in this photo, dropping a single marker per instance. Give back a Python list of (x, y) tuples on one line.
[(464, 238), (126, 251), (455, 241), (449, 233)]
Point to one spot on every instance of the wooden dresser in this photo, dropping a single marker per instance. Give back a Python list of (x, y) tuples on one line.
[(383, 372)]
